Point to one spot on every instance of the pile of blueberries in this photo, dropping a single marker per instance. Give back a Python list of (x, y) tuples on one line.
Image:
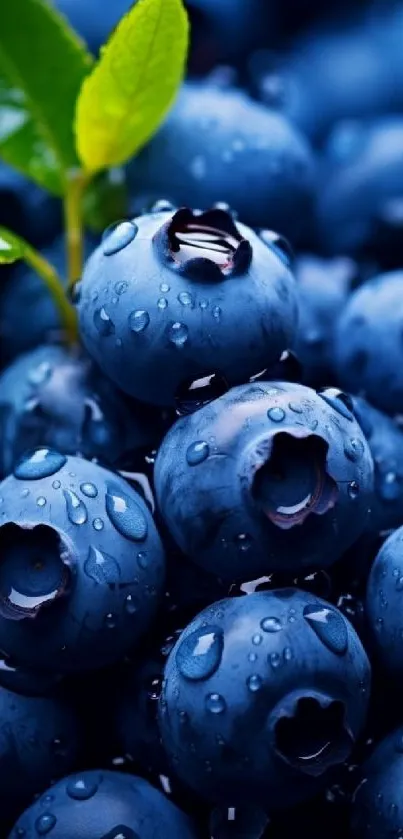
[(201, 507)]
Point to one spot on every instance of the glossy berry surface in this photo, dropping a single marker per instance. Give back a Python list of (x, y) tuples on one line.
[(108, 805), (60, 399), (172, 297), (82, 564), (219, 145), (376, 812), (383, 604), (269, 477), (368, 342), (261, 696), (39, 742)]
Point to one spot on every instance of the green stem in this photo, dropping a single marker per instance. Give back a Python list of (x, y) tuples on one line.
[(77, 182), (52, 280)]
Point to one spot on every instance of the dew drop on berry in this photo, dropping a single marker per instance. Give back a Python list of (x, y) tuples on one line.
[(199, 654), (81, 788), (215, 703), (125, 514), (40, 374), (139, 320), (89, 490), (76, 510), (40, 464), (354, 449), (271, 625), (254, 683), (103, 322), (101, 567), (45, 823), (197, 452), (276, 414), (353, 490), (329, 626), (118, 236), (178, 334)]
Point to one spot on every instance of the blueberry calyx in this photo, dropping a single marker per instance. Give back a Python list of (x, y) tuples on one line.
[(35, 571), (290, 478), (311, 732), (205, 246)]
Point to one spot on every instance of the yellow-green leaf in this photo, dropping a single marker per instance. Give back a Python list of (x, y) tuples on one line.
[(129, 92), (42, 66), (12, 247)]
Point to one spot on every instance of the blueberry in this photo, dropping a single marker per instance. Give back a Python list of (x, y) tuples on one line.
[(108, 805), (201, 294), (385, 440), (262, 695), (28, 315), (383, 603), (376, 812), (219, 145), (368, 342), (269, 477), (82, 564), (323, 286), (360, 204), (27, 209), (39, 742), (59, 399)]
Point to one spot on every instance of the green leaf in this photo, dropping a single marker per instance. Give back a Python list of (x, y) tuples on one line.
[(12, 247), (42, 67), (125, 98)]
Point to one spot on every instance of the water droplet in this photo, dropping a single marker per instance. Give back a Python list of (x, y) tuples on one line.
[(41, 501), (276, 414), (162, 206), (130, 605), (354, 449), (125, 514), (216, 312), (98, 524), (353, 489), (40, 464), (162, 303), (329, 626), (103, 323), (142, 560), (215, 703), (203, 304), (335, 399), (254, 683), (110, 621), (40, 374), (178, 334), (139, 320), (243, 541), (252, 657), (101, 567), (25, 493), (271, 625), (81, 788), (118, 236), (76, 510), (45, 823), (186, 299), (288, 654), (257, 639), (121, 287), (274, 660), (294, 406), (389, 487), (164, 287), (199, 654), (89, 490), (197, 452), (56, 484)]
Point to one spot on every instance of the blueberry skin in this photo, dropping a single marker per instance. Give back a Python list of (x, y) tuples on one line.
[(60, 399), (181, 323), (376, 812), (323, 286), (39, 741), (385, 440), (102, 564), (219, 145), (359, 208), (211, 471), (28, 315), (383, 604), (27, 209), (247, 686), (99, 804), (368, 342)]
